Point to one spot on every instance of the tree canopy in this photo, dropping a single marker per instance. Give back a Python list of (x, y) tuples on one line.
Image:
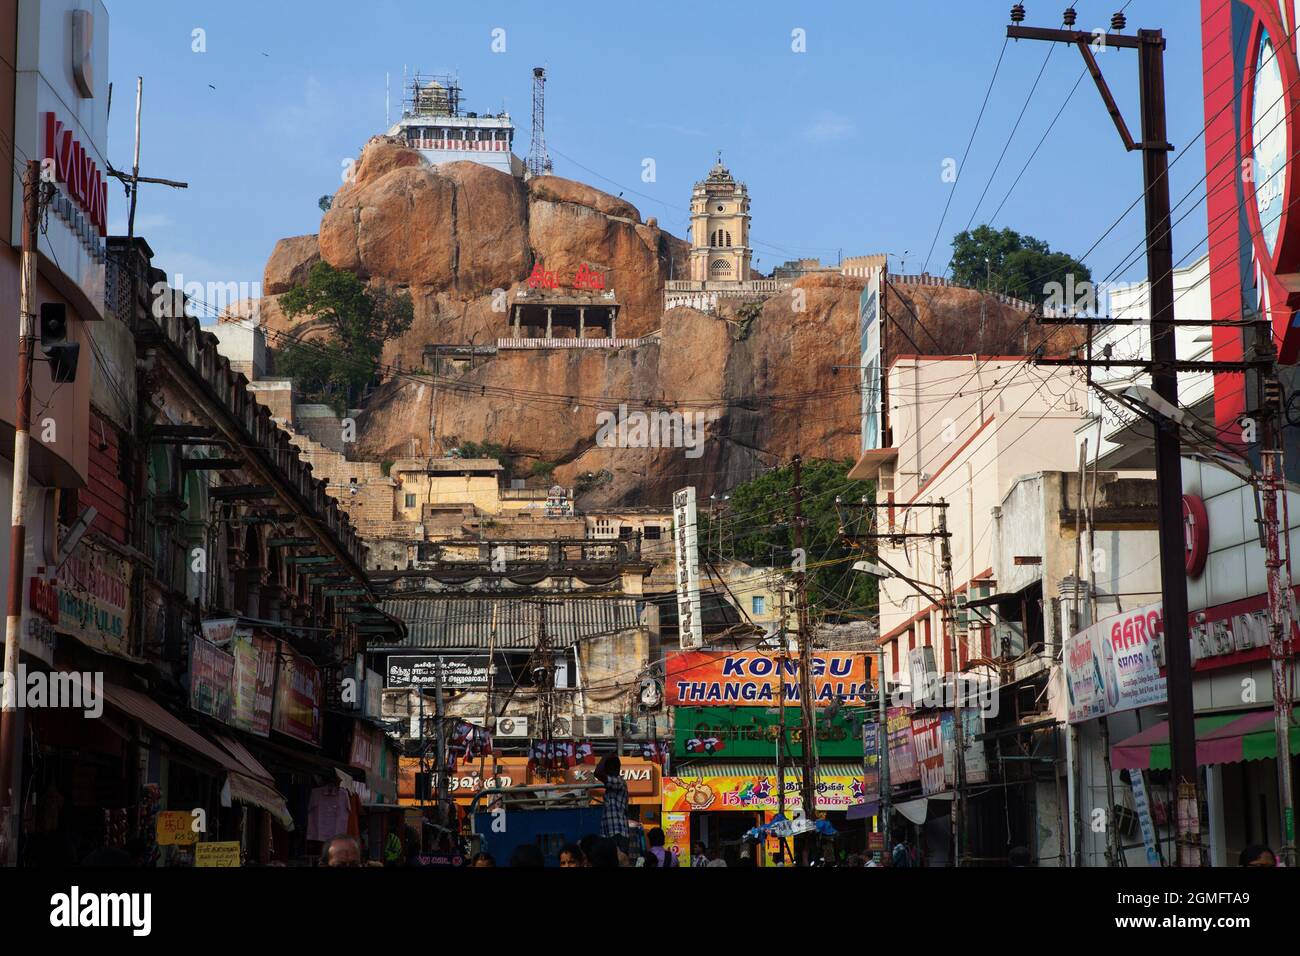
[(359, 321), (1018, 265), (757, 528)]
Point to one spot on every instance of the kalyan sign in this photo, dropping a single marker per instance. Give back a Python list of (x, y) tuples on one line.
[(66, 161)]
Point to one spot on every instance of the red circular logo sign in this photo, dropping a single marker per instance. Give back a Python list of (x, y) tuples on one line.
[(1196, 535)]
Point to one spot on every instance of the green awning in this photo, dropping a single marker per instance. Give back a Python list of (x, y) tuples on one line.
[(1220, 738)]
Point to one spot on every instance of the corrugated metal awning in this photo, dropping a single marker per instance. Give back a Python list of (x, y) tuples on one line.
[(467, 623)]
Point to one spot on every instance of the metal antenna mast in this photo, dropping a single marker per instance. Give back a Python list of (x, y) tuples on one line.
[(539, 163)]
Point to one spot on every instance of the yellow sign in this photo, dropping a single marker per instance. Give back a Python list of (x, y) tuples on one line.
[(175, 828), (217, 854)]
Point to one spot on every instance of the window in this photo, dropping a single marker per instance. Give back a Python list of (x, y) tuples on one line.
[(728, 238), (720, 267), (625, 532), (758, 605), (410, 501), (653, 532)]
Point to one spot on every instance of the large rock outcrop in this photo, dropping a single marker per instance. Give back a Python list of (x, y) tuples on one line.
[(454, 233), (762, 384)]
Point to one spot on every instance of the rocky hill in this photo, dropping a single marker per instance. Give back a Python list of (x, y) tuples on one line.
[(451, 235)]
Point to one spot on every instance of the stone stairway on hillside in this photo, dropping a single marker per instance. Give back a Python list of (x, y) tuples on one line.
[(330, 465)]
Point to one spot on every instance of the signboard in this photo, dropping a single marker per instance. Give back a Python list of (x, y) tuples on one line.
[(297, 697), (459, 672), (222, 853), (686, 562), (60, 114), (1111, 666), (685, 794), (175, 828), (902, 755), (927, 739), (699, 678), (869, 351), (374, 695), (677, 836), (38, 635), (367, 746), (254, 685), (871, 735), (640, 775), (975, 767), (1142, 806), (921, 670), (94, 592), (465, 779), (219, 630), (731, 733), (212, 676)]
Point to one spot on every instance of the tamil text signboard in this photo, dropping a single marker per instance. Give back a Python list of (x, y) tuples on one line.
[(701, 678), (459, 672), (753, 732)]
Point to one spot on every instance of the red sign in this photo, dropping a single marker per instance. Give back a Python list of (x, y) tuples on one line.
[(585, 278), (366, 745), (927, 740), (44, 600), (297, 697), (67, 162), (1196, 535)]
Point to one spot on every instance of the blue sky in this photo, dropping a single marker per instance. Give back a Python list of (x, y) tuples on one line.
[(842, 146)]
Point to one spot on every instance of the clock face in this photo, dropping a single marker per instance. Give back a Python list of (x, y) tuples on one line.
[(1268, 132)]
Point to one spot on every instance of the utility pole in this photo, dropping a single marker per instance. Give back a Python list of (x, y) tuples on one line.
[(780, 740), (1281, 650), (545, 678), (1155, 147), (10, 738), (441, 743), (882, 753), (958, 737), (808, 791)]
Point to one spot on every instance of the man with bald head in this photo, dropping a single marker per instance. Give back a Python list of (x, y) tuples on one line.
[(342, 850)]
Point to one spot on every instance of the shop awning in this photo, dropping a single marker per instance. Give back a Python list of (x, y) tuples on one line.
[(863, 811), (246, 789), (144, 709), (918, 810), (1220, 738), (253, 766), (704, 770)]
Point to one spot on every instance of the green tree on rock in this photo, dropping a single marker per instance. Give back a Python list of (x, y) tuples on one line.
[(336, 369)]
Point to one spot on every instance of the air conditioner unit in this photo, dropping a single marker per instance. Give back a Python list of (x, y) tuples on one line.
[(599, 726), (561, 727), (512, 727)]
